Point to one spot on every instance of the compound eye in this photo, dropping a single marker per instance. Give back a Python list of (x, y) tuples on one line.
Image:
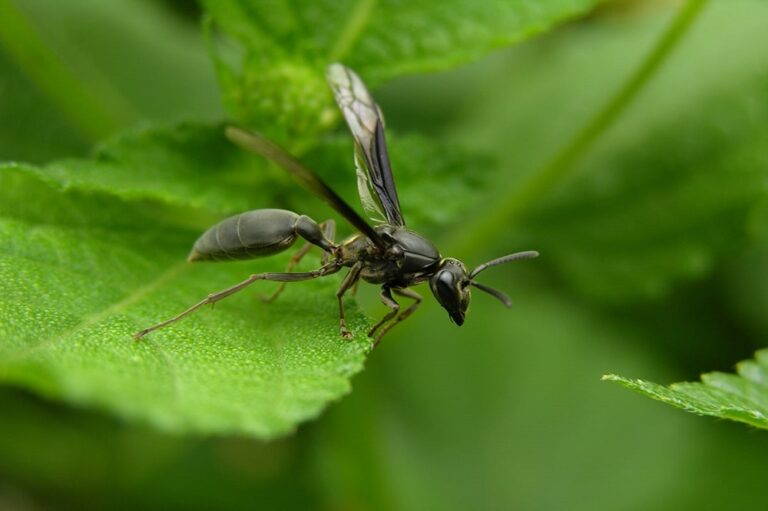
[(445, 279)]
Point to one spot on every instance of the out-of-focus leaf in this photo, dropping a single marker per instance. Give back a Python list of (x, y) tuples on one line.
[(668, 192), (80, 272), (190, 165), (31, 129), (746, 289), (60, 457), (133, 60), (274, 78), (173, 76), (676, 203), (742, 397)]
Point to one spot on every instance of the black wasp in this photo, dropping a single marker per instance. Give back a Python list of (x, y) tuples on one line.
[(388, 254)]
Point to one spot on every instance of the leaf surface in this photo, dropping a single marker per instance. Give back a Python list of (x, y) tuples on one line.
[(273, 76), (80, 272), (94, 249), (741, 397), (192, 165)]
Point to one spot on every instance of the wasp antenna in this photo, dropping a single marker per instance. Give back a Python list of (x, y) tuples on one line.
[(493, 292), (503, 260)]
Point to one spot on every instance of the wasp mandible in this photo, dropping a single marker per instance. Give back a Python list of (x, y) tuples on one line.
[(388, 253)]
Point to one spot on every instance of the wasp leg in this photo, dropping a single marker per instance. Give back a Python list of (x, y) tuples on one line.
[(349, 280), (403, 315), (386, 299), (215, 297), (354, 288), (329, 232)]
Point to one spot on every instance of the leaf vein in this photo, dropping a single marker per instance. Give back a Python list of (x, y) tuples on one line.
[(95, 317)]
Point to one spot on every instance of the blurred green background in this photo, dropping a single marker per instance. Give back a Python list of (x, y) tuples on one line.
[(654, 266)]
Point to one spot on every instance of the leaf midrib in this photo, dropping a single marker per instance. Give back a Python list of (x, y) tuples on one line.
[(353, 28), (95, 317)]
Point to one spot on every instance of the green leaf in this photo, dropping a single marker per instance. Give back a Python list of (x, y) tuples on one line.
[(94, 249), (37, 133), (666, 195), (81, 271), (190, 164), (193, 165), (741, 398), (102, 463), (273, 78), (81, 56), (688, 205)]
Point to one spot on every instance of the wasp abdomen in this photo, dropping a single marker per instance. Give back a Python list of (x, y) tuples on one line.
[(252, 234)]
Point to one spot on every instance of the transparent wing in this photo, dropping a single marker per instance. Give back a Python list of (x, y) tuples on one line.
[(375, 182)]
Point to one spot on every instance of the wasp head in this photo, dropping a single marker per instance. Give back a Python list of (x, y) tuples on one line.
[(450, 285)]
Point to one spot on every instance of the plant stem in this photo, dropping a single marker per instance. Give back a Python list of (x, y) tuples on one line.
[(548, 176), (90, 115), (352, 30)]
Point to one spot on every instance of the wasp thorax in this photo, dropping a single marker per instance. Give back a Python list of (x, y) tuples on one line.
[(450, 285)]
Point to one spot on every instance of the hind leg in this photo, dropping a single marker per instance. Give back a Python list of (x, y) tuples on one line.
[(215, 297), (329, 233)]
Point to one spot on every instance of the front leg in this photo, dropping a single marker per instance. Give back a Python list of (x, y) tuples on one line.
[(404, 315), (349, 281), (386, 299)]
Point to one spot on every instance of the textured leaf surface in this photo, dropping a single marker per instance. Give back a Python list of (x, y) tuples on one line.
[(278, 75), (741, 397), (80, 272), (94, 249), (190, 165)]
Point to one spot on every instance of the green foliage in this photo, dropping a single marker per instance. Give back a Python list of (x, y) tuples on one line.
[(667, 193), (742, 397), (276, 71), (117, 228), (686, 179), (83, 274), (653, 259), (187, 165), (78, 71)]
